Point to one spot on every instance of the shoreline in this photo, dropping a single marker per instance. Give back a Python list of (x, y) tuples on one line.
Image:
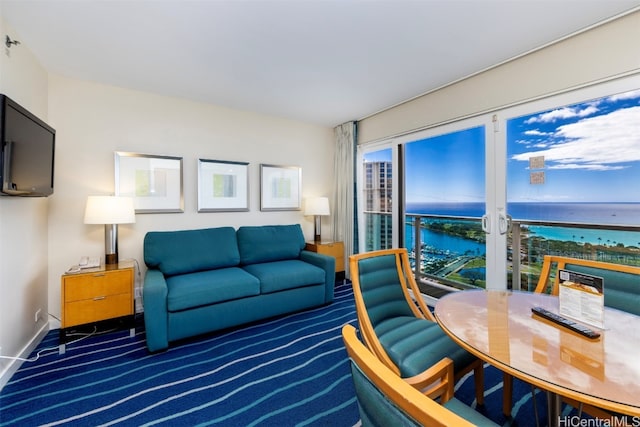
[(581, 236)]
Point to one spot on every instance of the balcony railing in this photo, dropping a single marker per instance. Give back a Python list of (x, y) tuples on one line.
[(448, 252)]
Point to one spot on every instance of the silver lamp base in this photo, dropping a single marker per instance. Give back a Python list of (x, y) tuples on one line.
[(317, 232), (110, 244)]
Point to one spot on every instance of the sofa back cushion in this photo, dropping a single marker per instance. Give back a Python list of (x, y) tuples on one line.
[(189, 251), (269, 243)]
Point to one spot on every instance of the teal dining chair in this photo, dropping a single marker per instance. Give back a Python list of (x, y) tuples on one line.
[(384, 399), (400, 329)]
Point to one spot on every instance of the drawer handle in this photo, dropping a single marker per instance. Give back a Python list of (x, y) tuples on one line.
[(99, 275), (99, 298)]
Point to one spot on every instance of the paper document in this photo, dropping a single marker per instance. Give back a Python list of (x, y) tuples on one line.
[(582, 297)]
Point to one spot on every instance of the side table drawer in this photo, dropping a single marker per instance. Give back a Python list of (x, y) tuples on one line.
[(88, 286), (334, 249), (96, 309)]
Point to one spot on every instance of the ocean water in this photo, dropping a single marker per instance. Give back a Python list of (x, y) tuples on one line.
[(585, 235), (456, 245), (593, 213), (590, 213)]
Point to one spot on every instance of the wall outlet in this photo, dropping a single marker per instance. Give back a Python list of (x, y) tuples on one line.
[(37, 316)]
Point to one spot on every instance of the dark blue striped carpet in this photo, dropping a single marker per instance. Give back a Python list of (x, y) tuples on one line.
[(291, 371)]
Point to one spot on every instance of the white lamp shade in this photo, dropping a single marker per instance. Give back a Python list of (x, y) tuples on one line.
[(317, 206), (109, 210)]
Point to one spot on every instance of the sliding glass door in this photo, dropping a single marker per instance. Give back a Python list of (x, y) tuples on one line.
[(376, 200), (449, 205), (478, 202), (573, 173)]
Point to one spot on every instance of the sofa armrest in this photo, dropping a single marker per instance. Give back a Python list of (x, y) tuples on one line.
[(328, 264), (154, 300)]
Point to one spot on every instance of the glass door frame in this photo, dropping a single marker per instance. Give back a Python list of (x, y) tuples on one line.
[(362, 150), (495, 189)]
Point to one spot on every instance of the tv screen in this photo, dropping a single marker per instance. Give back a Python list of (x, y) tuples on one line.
[(28, 147)]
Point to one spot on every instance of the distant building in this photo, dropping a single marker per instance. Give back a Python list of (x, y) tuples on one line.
[(378, 180)]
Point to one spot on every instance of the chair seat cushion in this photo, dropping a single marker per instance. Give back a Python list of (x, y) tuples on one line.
[(415, 344), (282, 275), (209, 287)]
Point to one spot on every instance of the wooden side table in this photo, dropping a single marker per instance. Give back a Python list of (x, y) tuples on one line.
[(97, 294), (334, 249)]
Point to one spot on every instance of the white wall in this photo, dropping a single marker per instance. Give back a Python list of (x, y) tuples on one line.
[(601, 53), (92, 121), (23, 223)]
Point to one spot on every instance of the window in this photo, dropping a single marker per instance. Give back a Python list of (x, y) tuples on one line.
[(378, 200), (575, 163), (564, 168), (445, 200), (571, 183)]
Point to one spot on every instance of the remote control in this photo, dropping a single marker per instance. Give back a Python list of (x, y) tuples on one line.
[(567, 323)]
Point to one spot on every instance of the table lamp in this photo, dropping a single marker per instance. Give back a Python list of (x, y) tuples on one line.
[(317, 206), (110, 211)]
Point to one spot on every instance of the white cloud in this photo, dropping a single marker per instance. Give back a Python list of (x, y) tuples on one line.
[(536, 132), (563, 113), (586, 166), (627, 95), (605, 142)]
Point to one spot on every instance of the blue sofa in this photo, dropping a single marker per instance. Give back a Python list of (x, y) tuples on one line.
[(205, 280)]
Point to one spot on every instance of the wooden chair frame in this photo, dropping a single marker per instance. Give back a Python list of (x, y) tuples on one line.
[(419, 308), (561, 262), (421, 408)]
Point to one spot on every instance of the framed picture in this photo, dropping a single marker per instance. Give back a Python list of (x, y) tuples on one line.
[(223, 186), (280, 188), (154, 182)]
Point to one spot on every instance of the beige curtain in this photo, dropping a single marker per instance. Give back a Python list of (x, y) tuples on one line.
[(343, 188)]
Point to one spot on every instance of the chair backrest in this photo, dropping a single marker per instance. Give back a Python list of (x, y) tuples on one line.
[(384, 399), (381, 281), (621, 282)]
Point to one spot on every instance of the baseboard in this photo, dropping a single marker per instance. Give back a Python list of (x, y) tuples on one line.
[(14, 365)]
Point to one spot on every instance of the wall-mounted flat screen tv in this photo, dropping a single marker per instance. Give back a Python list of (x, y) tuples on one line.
[(28, 148)]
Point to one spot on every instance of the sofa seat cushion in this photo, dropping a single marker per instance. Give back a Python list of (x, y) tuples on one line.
[(281, 275), (415, 344), (209, 287)]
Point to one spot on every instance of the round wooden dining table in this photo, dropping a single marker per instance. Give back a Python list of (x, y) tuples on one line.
[(499, 328)]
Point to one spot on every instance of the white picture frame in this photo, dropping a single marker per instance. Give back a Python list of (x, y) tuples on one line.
[(223, 186), (154, 182), (280, 188)]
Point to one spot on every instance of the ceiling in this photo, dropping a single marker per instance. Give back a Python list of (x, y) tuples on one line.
[(319, 61)]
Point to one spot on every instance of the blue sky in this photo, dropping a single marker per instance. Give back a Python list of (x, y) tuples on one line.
[(442, 169), (379, 156), (591, 153), (447, 168)]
